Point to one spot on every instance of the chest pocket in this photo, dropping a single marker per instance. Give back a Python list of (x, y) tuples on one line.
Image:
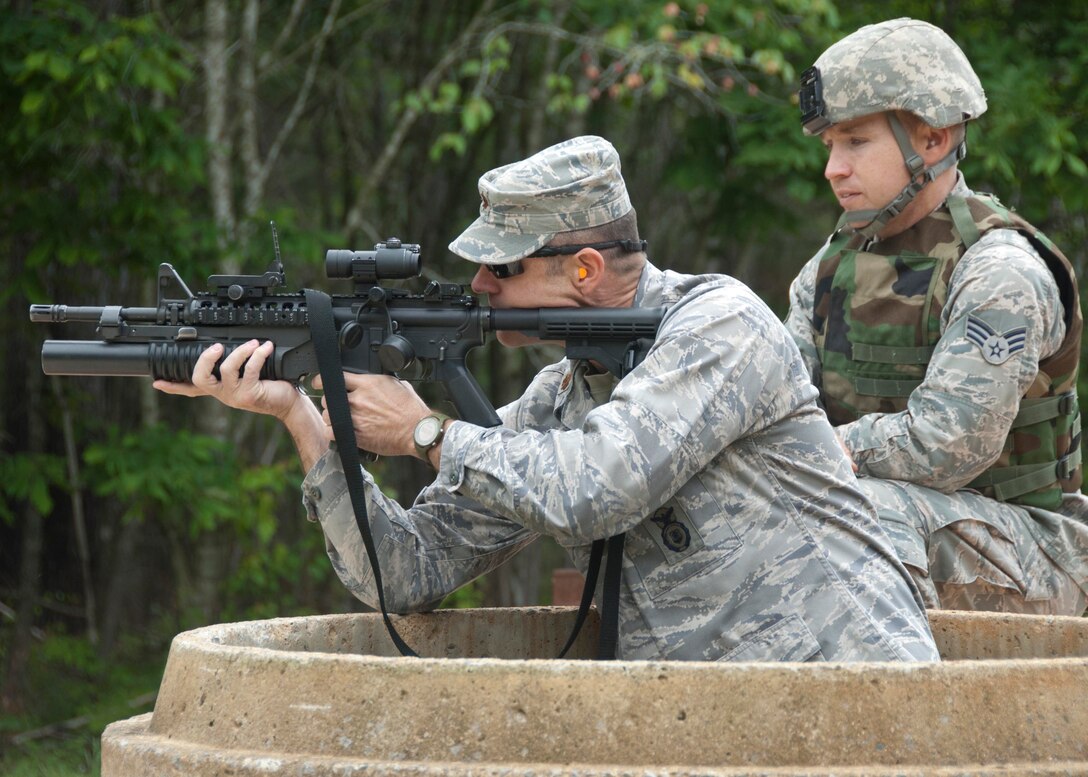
[(686, 536), (881, 319)]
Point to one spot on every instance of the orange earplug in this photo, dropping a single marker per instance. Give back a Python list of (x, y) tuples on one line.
[(582, 273)]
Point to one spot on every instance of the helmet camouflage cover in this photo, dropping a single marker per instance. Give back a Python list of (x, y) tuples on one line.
[(902, 64)]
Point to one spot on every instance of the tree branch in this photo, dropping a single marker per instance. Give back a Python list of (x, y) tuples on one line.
[(354, 220), (247, 89), (256, 187), (285, 33)]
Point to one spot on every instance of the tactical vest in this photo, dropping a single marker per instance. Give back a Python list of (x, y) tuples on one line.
[(877, 315)]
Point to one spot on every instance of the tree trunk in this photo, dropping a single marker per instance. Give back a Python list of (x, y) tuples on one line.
[(535, 135), (209, 567), (216, 25), (125, 590), (15, 687), (118, 585), (79, 523)]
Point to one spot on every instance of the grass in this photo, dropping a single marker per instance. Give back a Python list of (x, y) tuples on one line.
[(72, 696), (75, 754)]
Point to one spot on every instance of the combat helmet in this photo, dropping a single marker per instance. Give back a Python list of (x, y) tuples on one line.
[(898, 65)]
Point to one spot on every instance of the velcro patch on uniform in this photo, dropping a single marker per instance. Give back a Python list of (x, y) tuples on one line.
[(672, 530), (996, 346), (674, 534)]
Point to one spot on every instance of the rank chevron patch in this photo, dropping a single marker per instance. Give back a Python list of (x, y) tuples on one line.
[(996, 347)]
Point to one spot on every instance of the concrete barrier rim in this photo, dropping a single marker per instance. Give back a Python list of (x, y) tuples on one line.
[(194, 643), (235, 641)]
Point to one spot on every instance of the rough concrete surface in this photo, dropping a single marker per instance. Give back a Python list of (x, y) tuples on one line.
[(325, 695)]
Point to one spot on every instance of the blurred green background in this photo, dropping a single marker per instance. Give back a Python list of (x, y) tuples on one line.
[(141, 132)]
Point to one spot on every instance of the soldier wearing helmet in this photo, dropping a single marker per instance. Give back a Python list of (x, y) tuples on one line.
[(943, 332)]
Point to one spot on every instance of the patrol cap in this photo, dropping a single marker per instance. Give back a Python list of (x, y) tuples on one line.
[(570, 186), (901, 64)]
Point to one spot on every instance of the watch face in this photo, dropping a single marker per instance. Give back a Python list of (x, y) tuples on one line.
[(427, 430)]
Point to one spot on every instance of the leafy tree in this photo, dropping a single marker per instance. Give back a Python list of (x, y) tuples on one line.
[(94, 143), (89, 147)]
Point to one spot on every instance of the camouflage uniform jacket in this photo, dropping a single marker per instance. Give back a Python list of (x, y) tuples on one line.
[(957, 420), (747, 537)]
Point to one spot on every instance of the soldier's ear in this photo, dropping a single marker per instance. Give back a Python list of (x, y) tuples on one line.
[(588, 267), (936, 144)]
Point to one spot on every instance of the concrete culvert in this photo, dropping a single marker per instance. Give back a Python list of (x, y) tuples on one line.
[(328, 695)]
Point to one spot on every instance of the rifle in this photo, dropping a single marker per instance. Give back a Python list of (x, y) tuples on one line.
[(380, 329), (376, 329)]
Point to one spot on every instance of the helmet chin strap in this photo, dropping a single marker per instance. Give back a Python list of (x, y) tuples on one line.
[(920, 176)]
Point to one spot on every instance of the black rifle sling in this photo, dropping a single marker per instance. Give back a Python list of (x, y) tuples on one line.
[(592, 570), (610, 606), (327, 348)]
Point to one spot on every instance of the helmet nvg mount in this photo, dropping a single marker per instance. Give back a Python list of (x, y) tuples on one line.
[(898, 65)]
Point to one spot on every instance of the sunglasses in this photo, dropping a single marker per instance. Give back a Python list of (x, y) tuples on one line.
[(510, 269), (504, 271)]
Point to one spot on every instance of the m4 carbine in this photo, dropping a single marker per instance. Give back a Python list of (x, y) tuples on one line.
[(380, 329)]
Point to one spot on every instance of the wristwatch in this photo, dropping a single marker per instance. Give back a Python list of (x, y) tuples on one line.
[(428, 433)]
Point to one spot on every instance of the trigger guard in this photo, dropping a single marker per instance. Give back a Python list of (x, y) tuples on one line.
[(306, 386)]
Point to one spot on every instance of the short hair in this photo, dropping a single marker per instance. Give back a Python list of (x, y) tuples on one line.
[(619, 261), (914, 125)]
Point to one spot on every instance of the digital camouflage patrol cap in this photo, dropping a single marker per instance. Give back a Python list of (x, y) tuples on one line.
[(570, 186), (902, 64)]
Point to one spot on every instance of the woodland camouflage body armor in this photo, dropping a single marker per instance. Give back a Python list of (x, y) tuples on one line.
[(877, 317)]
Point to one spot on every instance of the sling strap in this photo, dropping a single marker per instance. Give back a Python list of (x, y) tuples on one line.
[(327, 349), (326, 346)]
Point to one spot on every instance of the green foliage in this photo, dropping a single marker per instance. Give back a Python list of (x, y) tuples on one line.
[(190, 480), (476, 114), (166, 474), (725, 77), (1029, 146), (95, 143), (713, 53), (274, 572), (73, 684), (732, 59), (29, 477), (191, 484), (78, 753), (471, 595), (71, 655)]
